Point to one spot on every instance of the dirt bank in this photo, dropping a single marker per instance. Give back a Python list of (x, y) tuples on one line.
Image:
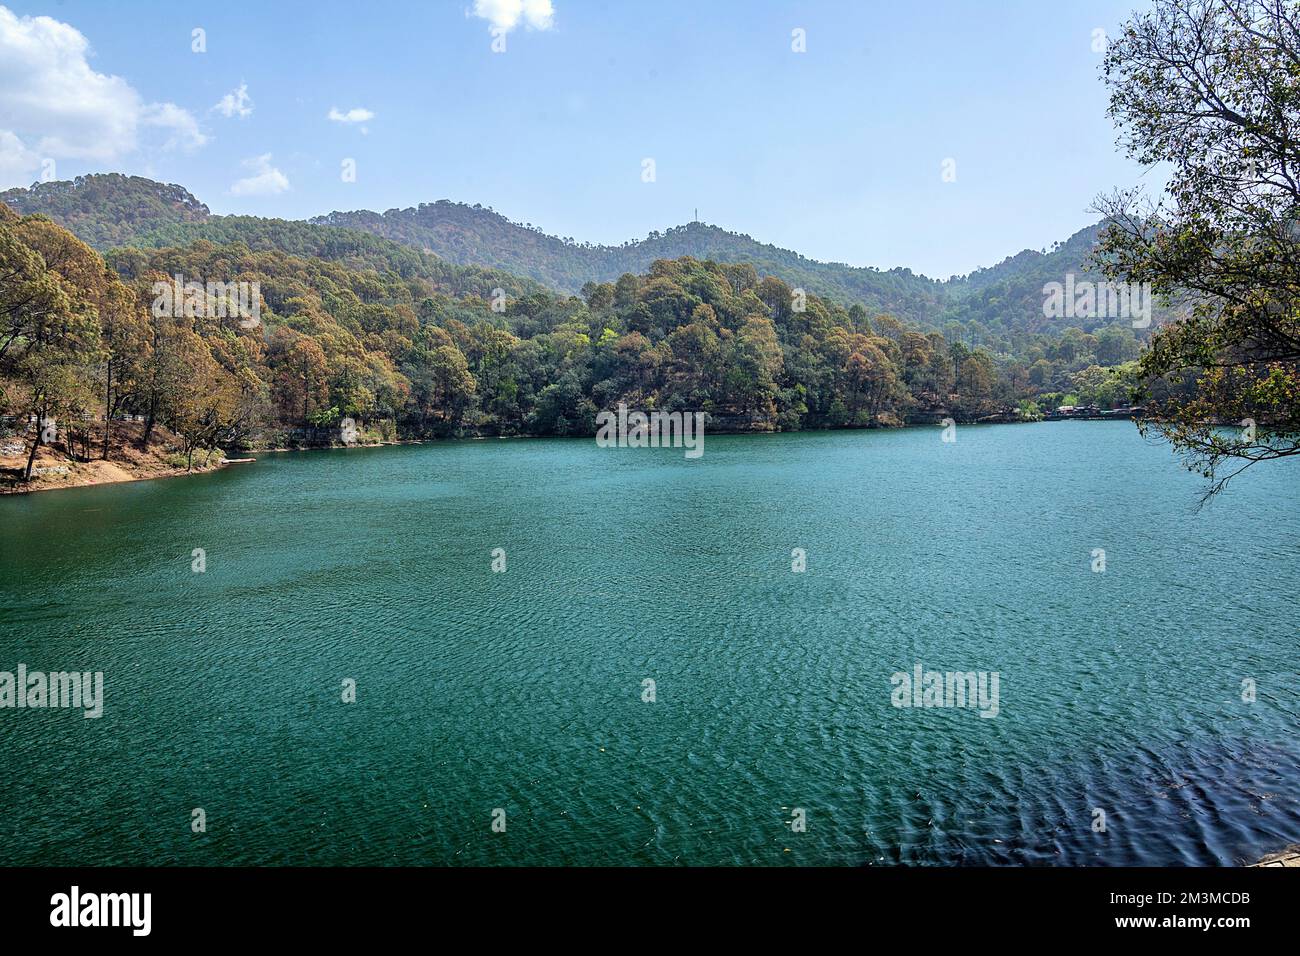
[(55, 467)]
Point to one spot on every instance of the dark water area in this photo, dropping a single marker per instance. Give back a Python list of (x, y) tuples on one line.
[(1119, 691)]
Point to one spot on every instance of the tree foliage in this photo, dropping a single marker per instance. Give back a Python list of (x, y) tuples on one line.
[(1212, 88), (407, 356)]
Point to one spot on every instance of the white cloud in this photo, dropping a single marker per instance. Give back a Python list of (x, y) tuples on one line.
[(18, 164), (182, 128), (505, 15), (236, 103), (54, 105), (265, 181), (357, 114)]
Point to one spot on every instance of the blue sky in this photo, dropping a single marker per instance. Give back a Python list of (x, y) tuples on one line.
[(836, 152)]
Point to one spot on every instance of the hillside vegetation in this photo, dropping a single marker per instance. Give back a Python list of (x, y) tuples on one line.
[(108, 209), (404, 355), (990, 307)]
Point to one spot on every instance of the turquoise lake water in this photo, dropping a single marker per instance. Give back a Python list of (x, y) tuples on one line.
[(523, 691)]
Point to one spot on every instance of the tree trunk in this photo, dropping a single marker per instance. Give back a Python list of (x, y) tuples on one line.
[(149, 421), (36, 443), (108, 410)]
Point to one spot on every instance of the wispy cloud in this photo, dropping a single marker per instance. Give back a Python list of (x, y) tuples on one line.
[(505, 15), (235, 103), (355, 115), (265, 181)]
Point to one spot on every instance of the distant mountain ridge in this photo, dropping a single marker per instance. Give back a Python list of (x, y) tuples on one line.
[(468, 233), (108, 210)]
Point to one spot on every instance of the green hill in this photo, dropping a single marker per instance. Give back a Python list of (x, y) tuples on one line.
[(464, 249), (475, 234), (108, 209)]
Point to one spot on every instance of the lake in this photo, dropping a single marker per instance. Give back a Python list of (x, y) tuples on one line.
[(770, 733)]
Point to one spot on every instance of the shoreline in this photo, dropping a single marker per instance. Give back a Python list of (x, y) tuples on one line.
[(1287, 857), (15, 487), (56, 466), (116, 474)]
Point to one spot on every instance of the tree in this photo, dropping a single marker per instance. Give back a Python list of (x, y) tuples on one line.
[(753, 363), (442, 386), (301, 376), (917, 354), (599, 296), (162, 372), (1116, 344), (1212, 88), (29, 292), (205, 410), (694, 364), (51, 332), (975, 379), (940, 372), (124, 342), (625, 290)]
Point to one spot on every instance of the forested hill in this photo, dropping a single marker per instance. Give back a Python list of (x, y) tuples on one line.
[(350, 248), (1004, 299), (463, 233), (112, 210), (108, 209), (313, 342)]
